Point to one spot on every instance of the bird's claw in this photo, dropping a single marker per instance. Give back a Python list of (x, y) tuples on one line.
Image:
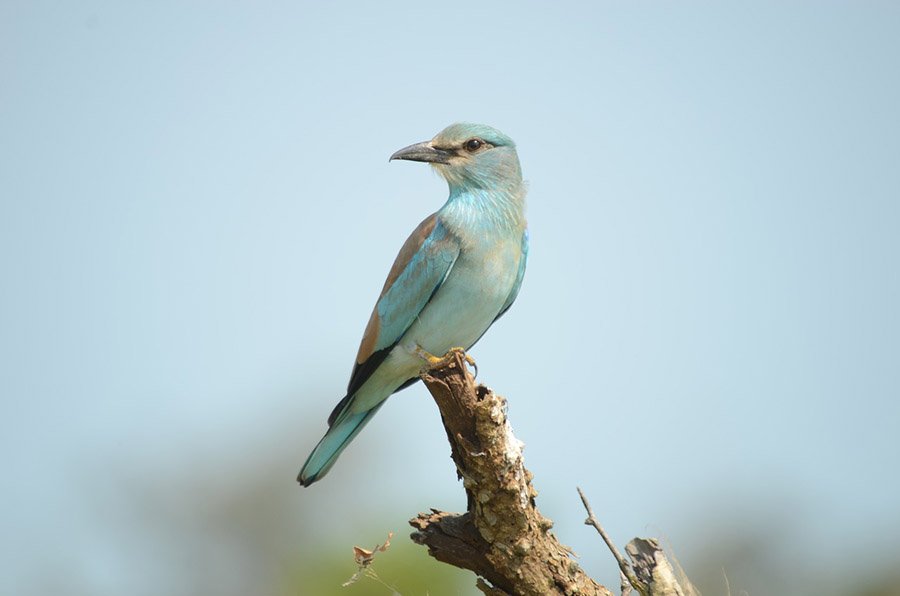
[(433, 361), (469, 359)]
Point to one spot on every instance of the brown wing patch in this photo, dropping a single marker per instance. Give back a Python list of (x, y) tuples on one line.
[(409, 248), (370, 337), (407, 251)]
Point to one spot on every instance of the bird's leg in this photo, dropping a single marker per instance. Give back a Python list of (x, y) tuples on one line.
[(435, 361)]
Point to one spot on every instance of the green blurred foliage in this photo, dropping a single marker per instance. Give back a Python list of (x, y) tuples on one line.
[(255, 531), (405, 568), (192, 530)]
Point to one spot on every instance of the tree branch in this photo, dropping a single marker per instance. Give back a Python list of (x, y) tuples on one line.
[(649, 572), (502, 537), (624, 567)]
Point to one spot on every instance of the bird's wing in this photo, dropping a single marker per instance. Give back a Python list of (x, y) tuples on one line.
[(519, 276), (419, 270)]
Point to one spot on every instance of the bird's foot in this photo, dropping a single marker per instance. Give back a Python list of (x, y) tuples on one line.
[(433, 361), (465, 355)]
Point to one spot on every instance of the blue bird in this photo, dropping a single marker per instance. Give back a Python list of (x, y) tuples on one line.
[(458, 272)]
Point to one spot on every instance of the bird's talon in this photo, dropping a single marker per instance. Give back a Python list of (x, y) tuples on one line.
[(469, 359), (433, 361)]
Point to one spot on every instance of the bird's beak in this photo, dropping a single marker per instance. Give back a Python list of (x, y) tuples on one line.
[(424, 151)]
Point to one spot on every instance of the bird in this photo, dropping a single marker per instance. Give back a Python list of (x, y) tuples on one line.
[(458, 272)]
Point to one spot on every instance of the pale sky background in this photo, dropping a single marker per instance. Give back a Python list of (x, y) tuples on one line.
[(197, 213)]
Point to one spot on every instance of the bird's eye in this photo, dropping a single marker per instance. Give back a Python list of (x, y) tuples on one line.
[(473, 145)]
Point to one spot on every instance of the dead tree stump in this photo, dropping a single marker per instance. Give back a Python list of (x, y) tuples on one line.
[(502, 537)]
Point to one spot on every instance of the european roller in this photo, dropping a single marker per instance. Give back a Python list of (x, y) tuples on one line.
[(457, 273)]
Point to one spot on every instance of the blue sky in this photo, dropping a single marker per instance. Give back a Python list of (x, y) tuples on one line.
[(197, 213)]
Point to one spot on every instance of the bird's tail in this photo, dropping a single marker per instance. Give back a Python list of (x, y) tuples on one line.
[(332, 444)]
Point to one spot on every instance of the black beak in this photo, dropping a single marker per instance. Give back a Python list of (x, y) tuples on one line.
[(423, 152)]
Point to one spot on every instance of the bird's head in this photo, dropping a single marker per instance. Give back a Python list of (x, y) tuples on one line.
[(469, 156)]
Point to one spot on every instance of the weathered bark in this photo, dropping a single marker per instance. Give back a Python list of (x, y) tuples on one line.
[(657, 575), (502, 537)]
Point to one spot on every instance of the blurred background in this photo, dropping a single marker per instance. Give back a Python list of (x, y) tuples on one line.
[(197, 214)]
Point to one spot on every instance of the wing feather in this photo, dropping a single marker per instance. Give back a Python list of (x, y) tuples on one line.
[(419, 270)]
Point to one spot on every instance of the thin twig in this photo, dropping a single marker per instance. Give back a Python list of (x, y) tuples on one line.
[(623, 565)]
